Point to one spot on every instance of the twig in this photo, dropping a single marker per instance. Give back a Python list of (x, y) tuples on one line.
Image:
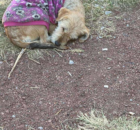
[(58, 112), (19, 56), (6, 62), (35, 61), (58, 50), (58, 53), (34, 87), (48, 53)]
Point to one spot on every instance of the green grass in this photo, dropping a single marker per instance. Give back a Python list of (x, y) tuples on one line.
[(122, 4), (97, 121), (100, 24)]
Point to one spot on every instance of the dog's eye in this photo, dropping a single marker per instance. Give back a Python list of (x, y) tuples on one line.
[(63, 29)]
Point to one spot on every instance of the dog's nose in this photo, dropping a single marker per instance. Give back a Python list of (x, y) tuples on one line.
[(57, 43)]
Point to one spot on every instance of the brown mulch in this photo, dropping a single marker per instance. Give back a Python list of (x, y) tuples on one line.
[(50, 95)]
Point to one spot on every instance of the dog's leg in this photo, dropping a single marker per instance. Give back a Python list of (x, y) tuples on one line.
[(19, 56)]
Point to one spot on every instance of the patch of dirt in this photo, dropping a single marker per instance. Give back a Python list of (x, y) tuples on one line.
[(49, 96)]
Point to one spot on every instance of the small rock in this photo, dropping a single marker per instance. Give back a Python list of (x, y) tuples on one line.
[(13, 116), (132, 113), (102, 28), (109, 68), (71, 62), (1, 62), (104, 49), (127, 25), (2, 113), (40, 128), (108, 12), (131, 100), (100, 37), (106, 86)]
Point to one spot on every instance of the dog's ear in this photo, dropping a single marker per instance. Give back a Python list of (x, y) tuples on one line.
[(62, 14), (84, 35)]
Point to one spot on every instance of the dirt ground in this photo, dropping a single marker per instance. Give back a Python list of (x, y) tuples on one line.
[(49, 96)]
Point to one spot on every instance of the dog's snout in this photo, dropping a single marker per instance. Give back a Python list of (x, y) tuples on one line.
[(57, 43)]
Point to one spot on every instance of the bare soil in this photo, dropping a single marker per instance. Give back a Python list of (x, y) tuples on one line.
[(49, 96)]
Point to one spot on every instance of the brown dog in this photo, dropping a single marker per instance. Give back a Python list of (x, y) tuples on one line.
[(71, 25)]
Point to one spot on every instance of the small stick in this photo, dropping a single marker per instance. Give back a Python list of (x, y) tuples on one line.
[(19, 56), (35, 61), (58, 50), (58, 53), (58, 112)]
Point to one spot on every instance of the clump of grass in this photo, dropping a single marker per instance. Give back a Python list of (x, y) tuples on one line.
[(99, 14), (122, 4), (99, 22), (97, 121)]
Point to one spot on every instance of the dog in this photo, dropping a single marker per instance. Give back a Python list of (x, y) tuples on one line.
[(71, 24), (33, 31)]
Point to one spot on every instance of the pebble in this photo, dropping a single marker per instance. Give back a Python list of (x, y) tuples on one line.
[(40, 128), (127, 25), (102, 28), (108, 12), (71, 62), (109, 68), (106, 86), (131, 100), (132, 113), (104, 49), (100, 37), (13, 116), (1, 62)]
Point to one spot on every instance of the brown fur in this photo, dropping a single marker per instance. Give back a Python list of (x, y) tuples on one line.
[(71, 23), (22, 36)]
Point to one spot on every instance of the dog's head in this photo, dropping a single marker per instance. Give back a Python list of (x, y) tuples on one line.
[(71, 25)]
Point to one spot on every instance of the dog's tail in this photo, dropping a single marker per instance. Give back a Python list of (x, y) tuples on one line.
[(40, 46)]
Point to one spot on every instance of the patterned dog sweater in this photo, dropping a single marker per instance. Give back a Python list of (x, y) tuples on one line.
[(32, 12)]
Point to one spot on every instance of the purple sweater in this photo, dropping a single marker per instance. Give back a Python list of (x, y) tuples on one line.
[(31, 12)]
